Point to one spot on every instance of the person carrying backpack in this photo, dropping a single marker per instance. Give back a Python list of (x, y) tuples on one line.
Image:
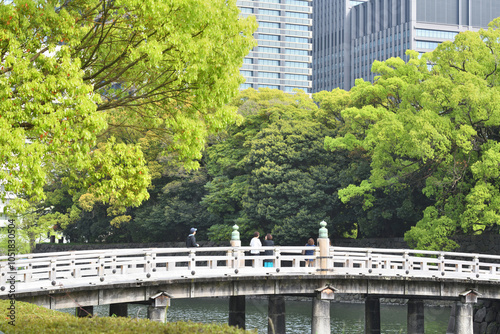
[(191, 239)]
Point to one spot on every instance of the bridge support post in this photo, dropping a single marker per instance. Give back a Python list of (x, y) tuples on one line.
[(324, 248), (84, 311), (237, 311), (372, 315), (463, 318), (415, 316), (464, 312), (157, 311), (276, 315), (118, 310), (320, 323)]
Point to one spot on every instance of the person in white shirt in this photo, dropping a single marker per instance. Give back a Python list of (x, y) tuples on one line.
[(255, 243)]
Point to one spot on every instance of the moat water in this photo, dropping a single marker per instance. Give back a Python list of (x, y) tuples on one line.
[(346, 318)]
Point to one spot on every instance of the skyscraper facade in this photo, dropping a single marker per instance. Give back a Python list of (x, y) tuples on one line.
[(283, 57), (348, 36)]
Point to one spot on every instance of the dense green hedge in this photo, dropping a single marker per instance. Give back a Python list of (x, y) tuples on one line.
[(30, 318)]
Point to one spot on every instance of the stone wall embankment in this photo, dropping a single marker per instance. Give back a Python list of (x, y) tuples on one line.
[(487, 317)]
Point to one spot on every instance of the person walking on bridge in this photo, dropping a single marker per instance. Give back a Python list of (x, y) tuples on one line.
[(310, 243), (255, 244), (191, 239), (268, 241)]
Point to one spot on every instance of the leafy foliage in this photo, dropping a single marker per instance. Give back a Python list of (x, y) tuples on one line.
[(291, 180), (175, 210), (271, 173), (77, 75), (434, 128)]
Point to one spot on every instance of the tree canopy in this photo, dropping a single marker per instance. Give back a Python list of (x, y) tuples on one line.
[(432, 124), (271, 173), (78, 78)]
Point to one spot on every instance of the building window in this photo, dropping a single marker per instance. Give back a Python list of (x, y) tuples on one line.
[(269, 86), (296, 64), (427, 45), (296, 27), (297, 2), (246, 10), (268, 49), (297, 52), (272, 75), (246, 73), (353, 3), (269, 37), (296, 77), (248, 61), (297, 39), (436, 33), (269, 25), (245, 86), (297, 15), (269, 12), (269, 62)]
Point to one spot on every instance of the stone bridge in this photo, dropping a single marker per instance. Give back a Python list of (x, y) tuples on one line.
[(155, 276)]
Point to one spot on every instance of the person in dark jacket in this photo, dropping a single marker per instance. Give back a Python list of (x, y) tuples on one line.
[(268, 253), (191, 239)]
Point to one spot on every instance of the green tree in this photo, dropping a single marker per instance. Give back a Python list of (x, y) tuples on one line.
[(271, 173), (292, 180), (226, 154), (74, 74), (174, 209), (435, 128)]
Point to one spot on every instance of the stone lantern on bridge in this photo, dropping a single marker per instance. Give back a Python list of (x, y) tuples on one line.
[(326, 293)]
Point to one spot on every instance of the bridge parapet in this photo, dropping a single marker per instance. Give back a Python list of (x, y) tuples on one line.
[(44, 271)]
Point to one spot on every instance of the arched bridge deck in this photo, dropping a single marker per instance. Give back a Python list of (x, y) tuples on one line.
[(126, 275)]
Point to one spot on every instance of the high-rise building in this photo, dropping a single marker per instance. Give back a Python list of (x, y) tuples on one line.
[(348, 36), (283, 57)]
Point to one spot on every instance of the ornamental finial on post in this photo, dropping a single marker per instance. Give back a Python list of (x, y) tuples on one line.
[(235, 235), (323, 231), (324, 249)]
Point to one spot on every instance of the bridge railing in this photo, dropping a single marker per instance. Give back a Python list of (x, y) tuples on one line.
[(31, 272), (46, 270), (416, 263)]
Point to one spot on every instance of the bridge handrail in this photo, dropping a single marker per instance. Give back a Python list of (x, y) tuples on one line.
[(46, 270), (293, 249), (389, 253), (134, 251), (415, 251)]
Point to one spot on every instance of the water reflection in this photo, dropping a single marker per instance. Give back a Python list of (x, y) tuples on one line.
[(345, 318)]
